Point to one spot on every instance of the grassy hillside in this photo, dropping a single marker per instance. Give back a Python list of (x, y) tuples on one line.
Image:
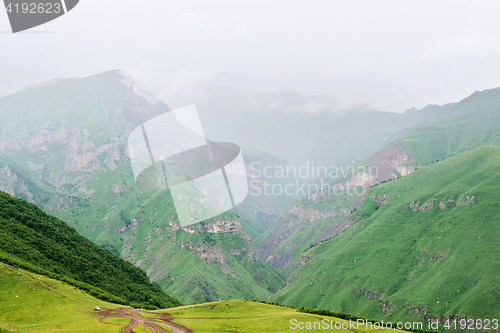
[(34, 303), (443, 131), (310, 220), (195, 265), (142, 227), (63, 147), (191, 264), (29, 233), (248, 316), (425, 245), (473, 122)]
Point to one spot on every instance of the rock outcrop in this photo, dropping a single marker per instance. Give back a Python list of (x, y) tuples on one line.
[(223, 226), (313, 214)]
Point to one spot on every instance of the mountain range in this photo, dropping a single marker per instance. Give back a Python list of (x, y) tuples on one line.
[(423, 246), (63, 147), (404, 229)]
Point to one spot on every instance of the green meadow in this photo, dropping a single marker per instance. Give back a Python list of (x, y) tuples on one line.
[(34, 303), (249, 316)]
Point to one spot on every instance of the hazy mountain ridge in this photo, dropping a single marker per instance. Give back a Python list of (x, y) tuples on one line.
[(63, 147), (450, 129), (301, 128), (455, 128), (428, 253), (77, 168), (472, 122)]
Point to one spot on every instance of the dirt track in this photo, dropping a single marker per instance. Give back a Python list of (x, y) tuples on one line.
[(153, 324)]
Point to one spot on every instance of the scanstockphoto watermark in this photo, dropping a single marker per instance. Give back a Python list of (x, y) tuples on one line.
[(351, 325), (309, 179)]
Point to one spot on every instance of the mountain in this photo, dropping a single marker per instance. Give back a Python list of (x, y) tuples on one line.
[(323, 212), (63, 148), (470, 123), (259, 211), (423, 246), (448, 130), (299, 128), (33, 236), (49, 272)]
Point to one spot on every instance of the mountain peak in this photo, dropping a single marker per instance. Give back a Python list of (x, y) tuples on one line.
[(481, 94)]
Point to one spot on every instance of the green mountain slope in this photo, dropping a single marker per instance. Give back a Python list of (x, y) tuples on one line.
[(32, 235), (422, 246), (34, 303), (324, 212), (471, 123), (442, 131), (63, 147), (310, 220)]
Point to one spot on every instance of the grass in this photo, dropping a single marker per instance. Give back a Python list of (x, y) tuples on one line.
[(34, 303), (243, 316), (442, 260), (141, 329), (147, 315)]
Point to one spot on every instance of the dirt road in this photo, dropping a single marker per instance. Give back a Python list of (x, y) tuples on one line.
[(155, 325)]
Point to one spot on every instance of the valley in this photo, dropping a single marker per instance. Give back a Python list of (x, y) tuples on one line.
[(39, 304), (73, 162), (409, 231)]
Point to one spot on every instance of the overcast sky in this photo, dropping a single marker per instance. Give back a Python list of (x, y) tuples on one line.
[(392, 55)]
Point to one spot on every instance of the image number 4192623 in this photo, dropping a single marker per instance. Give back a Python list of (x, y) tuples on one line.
[(26, 14)]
